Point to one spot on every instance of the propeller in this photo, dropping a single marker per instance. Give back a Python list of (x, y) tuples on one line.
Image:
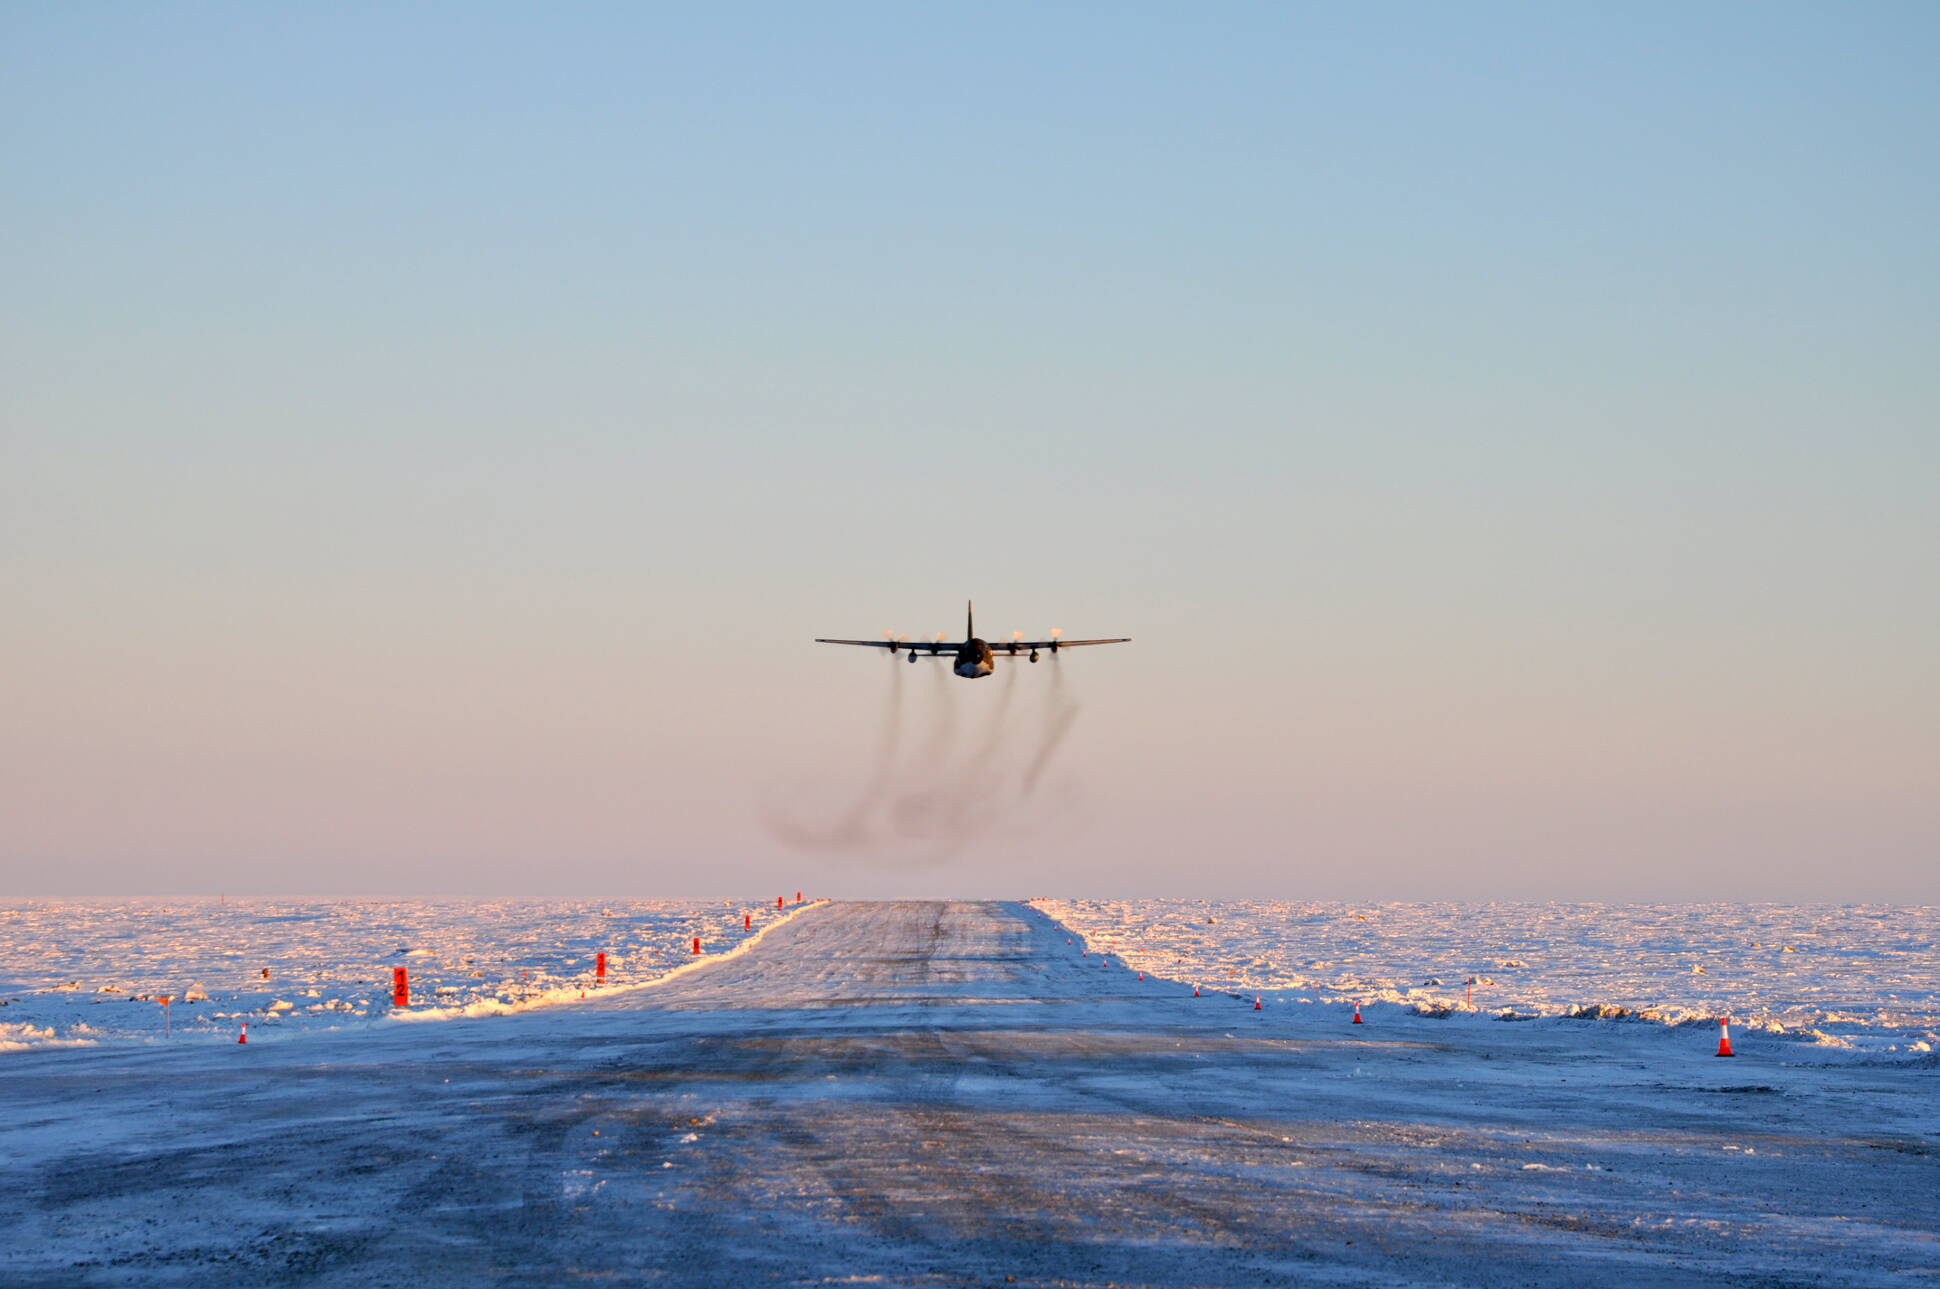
[(890, 636), (936, 643), (1015, 636), (1055, 633)]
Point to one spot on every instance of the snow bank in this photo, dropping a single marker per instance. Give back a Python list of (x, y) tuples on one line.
[(21, 1038), (581, 991)]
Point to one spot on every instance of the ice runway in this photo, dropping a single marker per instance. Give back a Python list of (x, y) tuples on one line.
[(931, 1093)]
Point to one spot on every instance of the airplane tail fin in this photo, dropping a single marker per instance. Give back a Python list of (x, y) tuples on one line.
[(969, 620)]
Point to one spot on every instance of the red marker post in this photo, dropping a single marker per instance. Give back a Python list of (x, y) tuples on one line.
[(747, 921), (400, 987), (697, 944), (165, 1000), (599, 965)]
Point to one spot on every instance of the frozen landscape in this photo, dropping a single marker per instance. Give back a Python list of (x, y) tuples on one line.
[(920, 1093), (1846, 978), (1857, 980), (1355, 454), (91, 971)]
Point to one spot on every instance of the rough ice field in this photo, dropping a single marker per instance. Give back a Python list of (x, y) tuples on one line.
[(1858, 979), (87, 971)]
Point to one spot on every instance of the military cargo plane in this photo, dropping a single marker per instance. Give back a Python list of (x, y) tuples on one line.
[(974, 658)]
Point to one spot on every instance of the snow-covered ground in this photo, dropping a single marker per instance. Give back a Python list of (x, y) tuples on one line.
[(946, 1094), (1862, 979), (88, 971)]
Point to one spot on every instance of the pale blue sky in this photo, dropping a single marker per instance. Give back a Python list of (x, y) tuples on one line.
[(430, 439)]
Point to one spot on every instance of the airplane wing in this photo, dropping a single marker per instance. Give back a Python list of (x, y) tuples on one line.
[(998, 647)]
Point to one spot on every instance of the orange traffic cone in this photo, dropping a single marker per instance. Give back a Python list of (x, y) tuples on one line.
[(244, 1036), (1256, 1002), (1141, 975), (1357, 1013), (1195, 991), (1724, 1036)]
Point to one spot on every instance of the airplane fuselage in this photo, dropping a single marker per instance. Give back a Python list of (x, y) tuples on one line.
[(974, 660)]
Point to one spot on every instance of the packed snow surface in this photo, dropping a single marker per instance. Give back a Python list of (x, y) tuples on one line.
[(1857, 978)]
